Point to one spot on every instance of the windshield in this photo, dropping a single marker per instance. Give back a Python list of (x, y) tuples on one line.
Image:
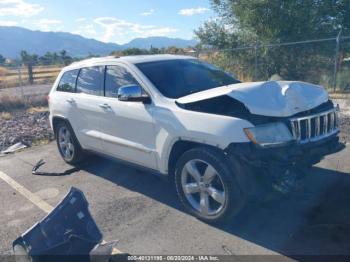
[(181, 77)]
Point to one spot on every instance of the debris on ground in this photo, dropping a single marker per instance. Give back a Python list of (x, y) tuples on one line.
[(41, 162), (68, 233), (13, 148)]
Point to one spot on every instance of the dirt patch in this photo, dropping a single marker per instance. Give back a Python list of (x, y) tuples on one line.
[(345, 128), (25, 127)]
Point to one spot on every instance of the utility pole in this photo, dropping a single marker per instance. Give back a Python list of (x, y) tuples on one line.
[(256, 61), (336, 59)]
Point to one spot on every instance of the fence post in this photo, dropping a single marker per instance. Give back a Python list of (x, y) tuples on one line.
[(256, 61), (336, 60), (20, 81)]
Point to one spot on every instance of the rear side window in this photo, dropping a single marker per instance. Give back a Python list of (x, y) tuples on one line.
[(116, 77), (67, 82), (90, 80)]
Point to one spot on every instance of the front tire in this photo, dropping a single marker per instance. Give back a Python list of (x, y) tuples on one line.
[(207, 186), (67, 144)]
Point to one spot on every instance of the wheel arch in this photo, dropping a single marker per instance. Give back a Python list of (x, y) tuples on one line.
[(56, 120), (179, 147)]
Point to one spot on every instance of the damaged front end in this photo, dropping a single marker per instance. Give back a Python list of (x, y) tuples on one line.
[(282, 148), (284, 166), (314, 134)]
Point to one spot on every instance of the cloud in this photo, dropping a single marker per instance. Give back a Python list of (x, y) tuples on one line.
[(47, 24), (19, 8), (8, 23), (148, 13), (193, 11), (81, 19), (123, 31), (86, 30)]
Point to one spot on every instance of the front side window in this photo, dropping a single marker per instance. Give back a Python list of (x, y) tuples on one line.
[(181, 77), (116, 77), (67, 82), (90, 80)]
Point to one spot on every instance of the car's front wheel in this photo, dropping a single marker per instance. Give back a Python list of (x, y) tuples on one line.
[(67, 144), (206, 185)]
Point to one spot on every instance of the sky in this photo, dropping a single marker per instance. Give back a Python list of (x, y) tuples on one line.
[(116, 21)]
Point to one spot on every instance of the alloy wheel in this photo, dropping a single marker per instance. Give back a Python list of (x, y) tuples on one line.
[(65, 143), (203, 187)]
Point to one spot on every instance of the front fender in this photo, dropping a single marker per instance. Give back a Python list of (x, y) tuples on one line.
[(209, 129)]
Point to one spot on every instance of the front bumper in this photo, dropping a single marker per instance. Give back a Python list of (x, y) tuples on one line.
[(282, 167), (288, 153)]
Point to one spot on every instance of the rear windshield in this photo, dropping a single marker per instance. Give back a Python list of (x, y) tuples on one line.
[(181, 77)]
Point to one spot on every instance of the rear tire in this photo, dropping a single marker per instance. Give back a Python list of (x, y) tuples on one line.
[(207, 186), (67, 143)]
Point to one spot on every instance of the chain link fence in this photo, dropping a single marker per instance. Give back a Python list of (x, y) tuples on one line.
[(323, 61), (22, 88)]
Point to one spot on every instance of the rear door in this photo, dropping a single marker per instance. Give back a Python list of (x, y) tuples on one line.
[(87, 100), (62, 99)]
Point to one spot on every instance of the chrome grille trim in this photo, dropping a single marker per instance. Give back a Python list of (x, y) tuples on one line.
[(315, 127)]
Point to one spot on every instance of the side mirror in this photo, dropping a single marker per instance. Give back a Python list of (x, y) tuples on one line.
[(132, 93)]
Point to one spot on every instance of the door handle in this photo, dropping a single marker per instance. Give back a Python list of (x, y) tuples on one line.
[(105, 106), (70, 100)]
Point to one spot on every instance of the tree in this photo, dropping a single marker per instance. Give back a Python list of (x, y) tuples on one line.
[(29, 61), (2, 60), (66, 59), (47, 59), (244, 23)]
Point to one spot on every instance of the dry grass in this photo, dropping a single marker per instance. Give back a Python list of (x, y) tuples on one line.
[(41, 142), (38, 109), (340, 95), (13, 103), (3, 71), (5, 116), (10, 103)]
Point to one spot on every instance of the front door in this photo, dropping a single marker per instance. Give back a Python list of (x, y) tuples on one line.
[(127, 128)]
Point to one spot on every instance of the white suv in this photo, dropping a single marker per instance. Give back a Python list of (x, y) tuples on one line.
[(221, 140)]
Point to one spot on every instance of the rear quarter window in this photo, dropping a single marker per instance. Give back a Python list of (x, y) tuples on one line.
[(67, 82)]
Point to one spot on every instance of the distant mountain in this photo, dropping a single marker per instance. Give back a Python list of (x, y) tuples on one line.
[(159, 42), (15, 39)]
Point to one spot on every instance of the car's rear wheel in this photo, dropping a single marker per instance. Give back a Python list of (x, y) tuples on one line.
[(206, 185), (67, 144)]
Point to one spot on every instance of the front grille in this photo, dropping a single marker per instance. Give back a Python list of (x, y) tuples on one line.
[(315, 127)]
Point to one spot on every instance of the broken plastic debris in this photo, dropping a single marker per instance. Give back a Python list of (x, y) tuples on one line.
[(14, 148), (61, 236), (60, 233)]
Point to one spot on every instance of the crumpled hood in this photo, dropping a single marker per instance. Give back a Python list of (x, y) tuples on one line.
[(271, 98)]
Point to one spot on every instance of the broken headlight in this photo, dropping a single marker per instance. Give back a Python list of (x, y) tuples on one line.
[(269, 134)]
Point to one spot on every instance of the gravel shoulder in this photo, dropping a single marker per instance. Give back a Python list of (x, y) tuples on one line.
[(25, 127)]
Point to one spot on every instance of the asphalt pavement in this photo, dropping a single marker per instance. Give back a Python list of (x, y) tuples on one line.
[(141, 210)]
